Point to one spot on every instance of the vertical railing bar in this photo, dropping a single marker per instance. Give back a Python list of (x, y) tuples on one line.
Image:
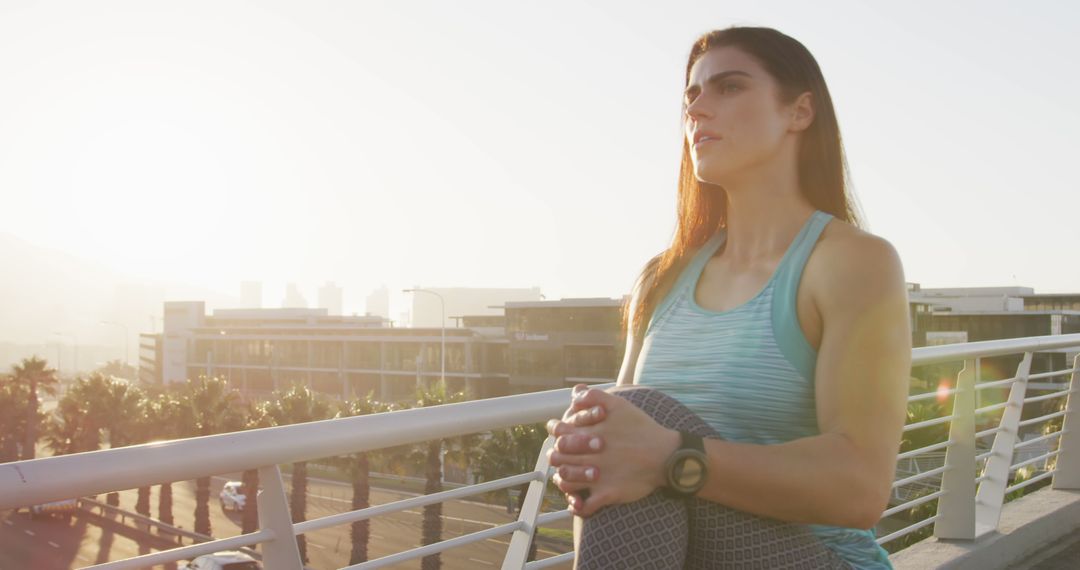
[(281, 553), (518, 552), (1067, 473), (955, 516), (991, 494)]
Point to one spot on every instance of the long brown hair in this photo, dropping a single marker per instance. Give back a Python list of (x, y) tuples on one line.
[(702, 207)]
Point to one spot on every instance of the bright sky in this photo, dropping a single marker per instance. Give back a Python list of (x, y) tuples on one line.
[(508, 144)]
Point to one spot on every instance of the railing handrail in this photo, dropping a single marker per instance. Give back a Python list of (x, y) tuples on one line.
[(47, 479), (960, 351), (36, 481)]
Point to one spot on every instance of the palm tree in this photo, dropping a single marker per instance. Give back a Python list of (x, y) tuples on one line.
[(144, 423), (258, 416), (119, 369), (208, 407), (169, 420), (921, 411), (123, 402), (80, 416), (510, 452), (432, 525), (33, 373), (12, 418), (358, 468), (298, 404)]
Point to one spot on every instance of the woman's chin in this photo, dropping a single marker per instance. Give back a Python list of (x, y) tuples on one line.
[(710, 177)]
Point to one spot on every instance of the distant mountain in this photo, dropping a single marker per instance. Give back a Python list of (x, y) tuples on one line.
[(44, 291)]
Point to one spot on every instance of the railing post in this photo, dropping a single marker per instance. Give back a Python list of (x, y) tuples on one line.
[(1067, 473), (521, 540), (956, 507), (991, 495), (281, 553)]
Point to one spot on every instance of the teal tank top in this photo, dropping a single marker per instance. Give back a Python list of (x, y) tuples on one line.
[(748, 371)]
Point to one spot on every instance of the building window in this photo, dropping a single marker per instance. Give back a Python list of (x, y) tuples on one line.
[(590, 361)]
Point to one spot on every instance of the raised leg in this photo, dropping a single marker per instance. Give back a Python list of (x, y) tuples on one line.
[(658, 532)]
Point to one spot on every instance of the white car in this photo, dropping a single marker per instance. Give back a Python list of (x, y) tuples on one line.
[(225, 560), (232, 496)]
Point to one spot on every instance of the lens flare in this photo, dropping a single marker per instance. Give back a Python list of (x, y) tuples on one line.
[(944, 385)]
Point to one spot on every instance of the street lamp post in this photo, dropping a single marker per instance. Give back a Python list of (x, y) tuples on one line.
[(75, 349), (442, 323), (116, 324)]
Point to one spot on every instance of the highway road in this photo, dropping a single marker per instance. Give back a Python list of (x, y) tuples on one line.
[(45, 544)]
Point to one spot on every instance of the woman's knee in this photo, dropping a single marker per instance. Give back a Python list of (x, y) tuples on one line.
[(664, 409)]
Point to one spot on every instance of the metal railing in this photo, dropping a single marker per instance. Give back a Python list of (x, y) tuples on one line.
[(972, 485), (968, 505)]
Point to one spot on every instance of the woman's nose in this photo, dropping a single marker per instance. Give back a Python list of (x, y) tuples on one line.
[(695, 110)]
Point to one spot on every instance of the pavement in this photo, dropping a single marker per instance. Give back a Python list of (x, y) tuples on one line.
[(1061, 555)]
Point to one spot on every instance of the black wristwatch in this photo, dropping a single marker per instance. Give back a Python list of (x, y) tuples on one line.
[(687, 468)]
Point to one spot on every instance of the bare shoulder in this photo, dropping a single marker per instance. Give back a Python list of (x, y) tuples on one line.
[(850, 264)]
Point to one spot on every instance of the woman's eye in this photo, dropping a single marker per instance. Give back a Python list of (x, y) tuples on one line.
[(728, 87)]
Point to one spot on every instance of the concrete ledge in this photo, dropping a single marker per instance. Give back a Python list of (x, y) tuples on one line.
[(1028, 525)]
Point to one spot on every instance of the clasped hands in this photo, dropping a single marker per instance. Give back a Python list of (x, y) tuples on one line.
[(609, 446)]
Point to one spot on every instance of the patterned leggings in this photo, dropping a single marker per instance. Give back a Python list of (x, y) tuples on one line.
[(658, 532)]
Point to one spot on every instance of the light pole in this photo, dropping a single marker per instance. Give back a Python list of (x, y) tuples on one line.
[(75, 348), (442, 323), (116, 324), (58, 360)]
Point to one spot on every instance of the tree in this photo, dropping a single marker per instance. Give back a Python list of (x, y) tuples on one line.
[(144, 424), (34, 374), (298, 404), (510, 452), (80, 416), (432, 525), (358, 468), (121, 413), (919, 411), (208, 407), (119, 369), (170, 421), (258, 417), (12, 418)]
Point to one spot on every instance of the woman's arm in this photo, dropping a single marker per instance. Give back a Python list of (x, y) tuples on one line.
[(633, 344), (841, 477)]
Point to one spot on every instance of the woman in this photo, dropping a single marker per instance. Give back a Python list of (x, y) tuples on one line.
[(768, 347)]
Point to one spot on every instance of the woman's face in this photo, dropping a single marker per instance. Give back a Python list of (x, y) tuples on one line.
[(734, 121)]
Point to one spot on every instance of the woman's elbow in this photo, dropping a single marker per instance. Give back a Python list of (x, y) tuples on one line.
[(866, 510)]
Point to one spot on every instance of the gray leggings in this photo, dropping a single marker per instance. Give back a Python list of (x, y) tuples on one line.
[(658, 532)]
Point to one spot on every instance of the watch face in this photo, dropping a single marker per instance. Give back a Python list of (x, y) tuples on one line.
[(688, 471)]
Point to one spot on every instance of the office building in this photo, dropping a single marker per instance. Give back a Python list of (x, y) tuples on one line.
[(330, 298)]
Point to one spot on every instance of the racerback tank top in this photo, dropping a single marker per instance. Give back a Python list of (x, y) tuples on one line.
[(747, 371)]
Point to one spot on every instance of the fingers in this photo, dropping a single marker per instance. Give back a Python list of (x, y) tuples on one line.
[(576, 502), (589, 416), (577, 474), (576, 404), (579, 443), (590, 397), (572, 479), (558, 459), (583, 418)]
